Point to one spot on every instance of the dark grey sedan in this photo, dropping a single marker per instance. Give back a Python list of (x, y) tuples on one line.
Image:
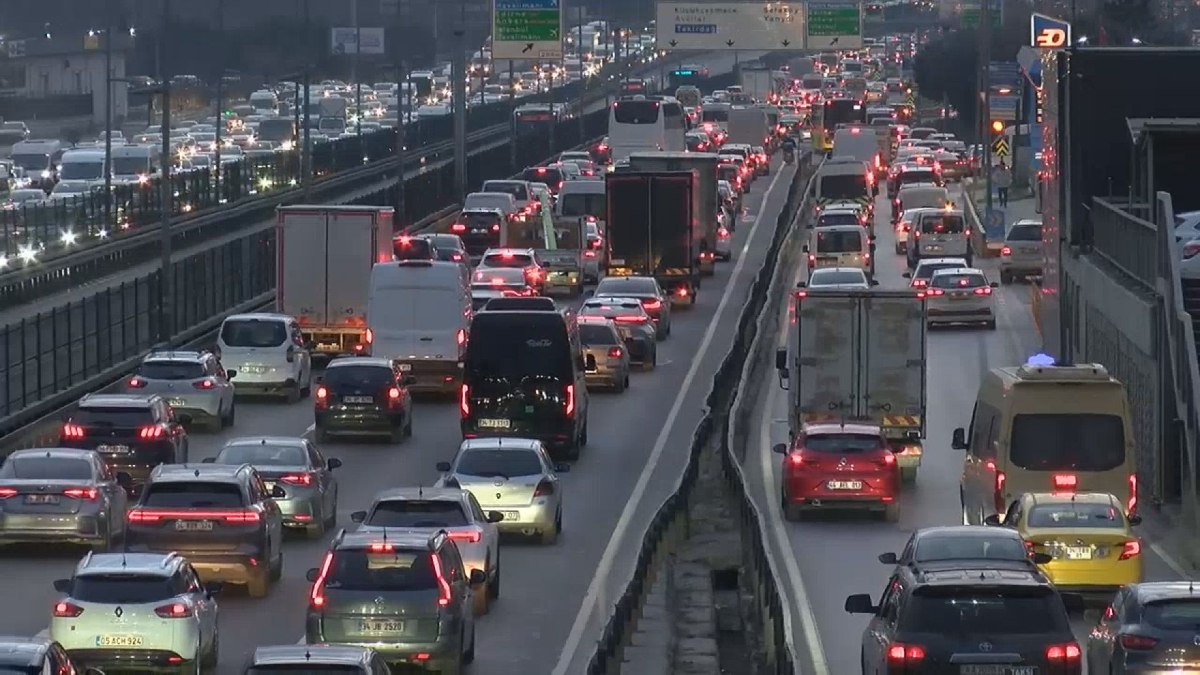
[(1150, 628), (61, 495)]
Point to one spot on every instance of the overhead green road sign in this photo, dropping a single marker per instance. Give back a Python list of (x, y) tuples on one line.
[(972, 10), (834, 25), (527, 30)]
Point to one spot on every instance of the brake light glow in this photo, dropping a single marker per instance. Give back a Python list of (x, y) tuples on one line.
[(317, 596), (919, 283), (682, 291), (544, 489), (626, 318), (464, 400), (1001, 479), (66, 610), (589, 254), (1132, 548), (1137, 642), (722, 233), (570, 405), (986, 290), (1066, 481), (1064, 654), (496, 227), (151, 432), (467, 536), (90, 494), (381, 548), (889, 459), (206, 383), (652, 304), (175, 610), (136, 382), (72, 430), (322, 393), (936, 292), (460, 336), (301, 479), (615, 352), (369, 336), (233, 517), (1131, 506), (444, 596), (458, 227), (903, 656)]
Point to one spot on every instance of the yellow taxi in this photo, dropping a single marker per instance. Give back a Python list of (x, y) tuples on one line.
[(1088, 537)]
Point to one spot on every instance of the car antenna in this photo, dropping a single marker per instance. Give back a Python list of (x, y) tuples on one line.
[(124, 562), (307, 654), (420, 492), (1191, 588)]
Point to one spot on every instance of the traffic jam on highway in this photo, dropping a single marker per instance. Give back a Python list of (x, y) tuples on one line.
[(496, 346)]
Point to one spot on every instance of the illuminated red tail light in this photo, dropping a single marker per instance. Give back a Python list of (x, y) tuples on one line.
[(1000, 505), (316, 597), (1131, 549), (544, 489), (72, 430), (458, 228), (89, 494), (1131, 505), (1066, 481), (904, 657), (206, 383), (936, 292), (1006, 251), (615, 352), (464, 400), (444, 596), (652, 304), (467, 536), (496, 227), (67, 610), (986, 290), (1137, 642), (7, 492), (570, 404), (300, 479), (175, 610), (1066, 655), (136, 382), (151, 432)]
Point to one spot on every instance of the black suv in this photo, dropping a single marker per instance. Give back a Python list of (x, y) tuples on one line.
[(133, 433), (523, 375), (405, 594), (364, 396), (954, 617), (220, 516)]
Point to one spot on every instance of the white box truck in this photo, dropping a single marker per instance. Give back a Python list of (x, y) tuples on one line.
[(324, 258)]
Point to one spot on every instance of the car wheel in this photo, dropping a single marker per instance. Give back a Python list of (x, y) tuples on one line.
[(231, 415), (991, 325), (317, 529), (493, 587), (214, 652), (791, 512), (619, 384), (306, 390), (331, 520), (408, 426), (480, 599), (216, 423), (571, 451), (275, 571)]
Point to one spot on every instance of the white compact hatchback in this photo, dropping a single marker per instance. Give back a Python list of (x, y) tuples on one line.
[(961, 295)]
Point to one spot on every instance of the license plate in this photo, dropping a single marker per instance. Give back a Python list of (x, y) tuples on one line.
[(486, 423), (1030, 249), (960, 296), (933, 247), (41, 499), (112, 448), (381, 626), (193, 526), (511, 516), (844, 485), (256, 370), (359, 399), (176, 402), (405, 367), (479, 230), (119, 641), (997, 670), (1079, 553)]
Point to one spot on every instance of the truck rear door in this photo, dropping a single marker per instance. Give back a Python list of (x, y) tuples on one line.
[(826, 327), (893, 359), (350, 251)]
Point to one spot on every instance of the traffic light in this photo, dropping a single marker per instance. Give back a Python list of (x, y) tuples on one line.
[(997, 126)]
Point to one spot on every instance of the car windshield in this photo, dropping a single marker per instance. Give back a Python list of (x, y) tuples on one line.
[(129, 589), (369, 377), (1074, 515), (845, 444), (192, 495), (29, 467), (417, 513), (499, 463), (1025, 233), (578, 204), (952, 280), (823, 278), (592, 334), (952, 547), (171, 370), (264, 454), (839, 241), (848, 186), (1016, 611), (385, 570), (623, 287), (113, 417), (253, 333), (1173, 614), (1064, 442)]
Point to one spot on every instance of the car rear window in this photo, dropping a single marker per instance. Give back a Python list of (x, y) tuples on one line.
[(1025, 233), (518, 190), (597, 335), (373, 377), (410, 248), (507, 260), (126, 589), (1065, 442), (959, 281), (302, 669), (513, 347), (1173, 614), (943, 224), (253, 333), (826, 219), (1075, 515), (821, 278), (925, 271), (622, 286), (193, 495), (47, 468), (577, 204), (841, 443), (172, 370), (113, 417), (499, 463), (264, 454), (951, 547), (544, 175), (839, 241), (481, 219), (968, 611), (417, 513), (368, 570)]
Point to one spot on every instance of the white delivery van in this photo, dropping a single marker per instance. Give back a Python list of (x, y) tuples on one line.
[(419, 314)]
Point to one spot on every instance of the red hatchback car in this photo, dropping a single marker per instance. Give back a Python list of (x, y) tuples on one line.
[(840, 466)]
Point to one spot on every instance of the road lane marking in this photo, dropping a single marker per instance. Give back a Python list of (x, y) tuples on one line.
[(599, 581), (1170, 561)]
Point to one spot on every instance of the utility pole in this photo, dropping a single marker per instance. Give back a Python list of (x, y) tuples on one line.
[(985, 57), (401, 135), (167, 320), (108, 115), (459, 75), (354, 72), (306, 151), (582, 82), (220, 94)]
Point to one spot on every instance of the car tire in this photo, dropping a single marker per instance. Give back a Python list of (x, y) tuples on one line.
[(493, 587), (548, 536), (292, 395), (230, 415), (275, 569), (481, 601), (991, 325), (317, 530), (259, 585), (899, 249), (621, 384), (321, 434), (215, 424), (408, 425), (331, 520), (306, 390), (791, 512), (214, 654), (468, 656), (891, 512)]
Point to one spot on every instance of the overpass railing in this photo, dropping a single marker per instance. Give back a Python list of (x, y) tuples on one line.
[(1126, 239)]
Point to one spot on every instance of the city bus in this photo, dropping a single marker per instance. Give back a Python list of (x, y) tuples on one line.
[(645, 123), (834, 113)]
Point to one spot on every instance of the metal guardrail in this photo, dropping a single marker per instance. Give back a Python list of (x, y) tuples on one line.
[(1125, 240), (669, 524)]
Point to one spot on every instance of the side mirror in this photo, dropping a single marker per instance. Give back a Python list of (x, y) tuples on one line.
[(590, 361), (781, 359), (860, 603), (1073, 601), (214, 587), (62, 585), (358, 517), (871, 238), (907, 275), (805, 249), (992, 520), (312, 574), (780, 448), (874, 282), (478, 577), (562, 467), (494, 516), (209, 460), (124, 479), (889, 558), (959, 440), (994, 285), (278, 492), (1042, 558), (1135, 519), (333, 463), (444, 467), (230, 374)]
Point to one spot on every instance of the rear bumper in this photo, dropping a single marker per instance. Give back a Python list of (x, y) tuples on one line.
[(363, 420), (152, 660), (974, 314), (603, 376), (529, 518), (69, 528), (441, 377), (273, 382), (226, 566), (336, 342), (1011, 266), (557, 434)]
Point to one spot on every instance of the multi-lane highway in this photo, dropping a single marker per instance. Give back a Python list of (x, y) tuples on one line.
[(825, 559), (555, 599)]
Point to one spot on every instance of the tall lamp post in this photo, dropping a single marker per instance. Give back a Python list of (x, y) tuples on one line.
[(109, 11), (220, 97), (167, 307)]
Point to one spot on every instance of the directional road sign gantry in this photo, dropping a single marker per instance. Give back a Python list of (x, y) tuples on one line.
[(527, 30), (834, 24), (730, 26)]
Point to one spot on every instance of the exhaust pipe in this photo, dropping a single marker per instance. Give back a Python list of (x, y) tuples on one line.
[(815, 502)]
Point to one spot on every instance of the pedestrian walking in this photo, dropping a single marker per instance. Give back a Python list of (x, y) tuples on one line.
[(1002, 179)]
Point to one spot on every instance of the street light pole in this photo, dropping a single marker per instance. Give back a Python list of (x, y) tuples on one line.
[(306, 152), (401, 135), (220, 94), (459, 75), (108, 115), (354, 72), (985, 57), (167, 320)]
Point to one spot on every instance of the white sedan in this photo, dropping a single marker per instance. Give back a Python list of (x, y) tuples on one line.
[(838, 279), (961, 295)]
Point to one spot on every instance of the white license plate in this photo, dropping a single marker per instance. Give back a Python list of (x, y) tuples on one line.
[(511, 516), (997, 669), (933, 247), (960, 296), (193, 526), (41, 499), (112, 448), (176, 402), (488, 423), (1079, 553), (359, 399), (1030, 250), (255, 370), (381, 626), (405, 367), (119, 641), (844, 485)]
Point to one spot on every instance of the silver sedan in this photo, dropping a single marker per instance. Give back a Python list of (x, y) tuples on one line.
[(298, 467), (515, 477), (61, 495)]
